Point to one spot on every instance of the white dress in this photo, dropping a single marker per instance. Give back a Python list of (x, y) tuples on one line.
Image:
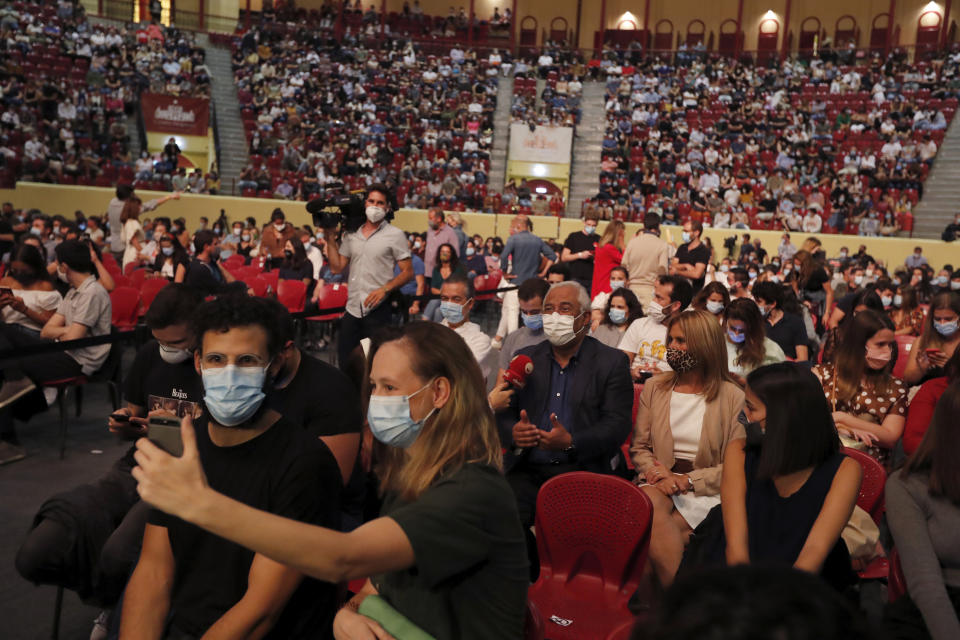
[(686, 423)]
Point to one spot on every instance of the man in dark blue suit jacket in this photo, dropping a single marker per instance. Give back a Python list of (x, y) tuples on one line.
[(574, 412)]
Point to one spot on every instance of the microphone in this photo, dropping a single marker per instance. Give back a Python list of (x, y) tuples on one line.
[(518, 370)]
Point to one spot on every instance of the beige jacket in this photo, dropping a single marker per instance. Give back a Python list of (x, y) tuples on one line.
[(653, 440)]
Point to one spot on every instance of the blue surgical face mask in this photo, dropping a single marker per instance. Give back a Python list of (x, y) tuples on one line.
[(897, 300), (390, 420), (616, 284), (939, 281), (167, 251), (618, 316), (451, 312), (724, 268), (736, 338), (233, 394), (471, 251), (532, 321), (946, 329), (714, 307), (685, 236), (589, 229), (37, 231)]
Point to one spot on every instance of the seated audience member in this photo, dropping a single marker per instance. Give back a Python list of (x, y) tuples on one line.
[(621, 310), (908, 318), (747, 346), (922, 502), (88, 538), (530, 294), (456, 303), (275, 236), (172, 259), (558, 273), (863, 300), (439, 468), (206, 273), (473, 262), (617, 280), (763, 603), (295, 264), (786, 329), (84, 312), (869, 405), (713, 298), (786, 490), (574, 412), (196, 583), (685, 420), (32, 300), (448, 265), (920, 411), (938, 342), (645, 341)]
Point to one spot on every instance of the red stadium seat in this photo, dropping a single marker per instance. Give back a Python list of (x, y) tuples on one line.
[(292, 294), (593, 537), (331, 296), (904, 345), (151, 287), (871, 501), (125, 303)]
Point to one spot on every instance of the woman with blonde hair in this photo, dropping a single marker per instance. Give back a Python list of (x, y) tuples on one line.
[(685, 420), (448, 552), (609, 254)]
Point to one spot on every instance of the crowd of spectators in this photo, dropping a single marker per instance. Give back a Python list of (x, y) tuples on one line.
[(706, 335), (803, 146), (69, 86)]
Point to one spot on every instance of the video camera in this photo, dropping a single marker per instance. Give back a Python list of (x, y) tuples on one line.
[(335, 207)]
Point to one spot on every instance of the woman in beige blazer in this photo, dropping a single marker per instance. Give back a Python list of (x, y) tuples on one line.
[(685, 420)]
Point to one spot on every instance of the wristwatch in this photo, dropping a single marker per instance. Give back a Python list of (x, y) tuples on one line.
[(571, 452)]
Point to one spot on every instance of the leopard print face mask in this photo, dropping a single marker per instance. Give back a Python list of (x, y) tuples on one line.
[(681, 361)]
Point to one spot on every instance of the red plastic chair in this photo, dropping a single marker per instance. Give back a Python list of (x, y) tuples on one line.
[(151, 287), (242, 273), (533, 623), (896, 581), (292, 294), (125, 302), (138, 277), (904, 346), (486, 283), (593, 536), (871, 501), (234, 262), (257, 284), (331, 296), (272, 278)]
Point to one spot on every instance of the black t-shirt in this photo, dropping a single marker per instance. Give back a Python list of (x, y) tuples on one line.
[(789, 333), (283, 471), (320, 398), (817, 279), (5, 228), (845, 303), (470, 575), (581, 270), (305, 272), (699, 255)]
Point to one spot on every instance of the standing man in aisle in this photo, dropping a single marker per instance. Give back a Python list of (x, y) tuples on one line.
[(371, 251), (525, 249), (692, 256), (578, 250), (646, 258)]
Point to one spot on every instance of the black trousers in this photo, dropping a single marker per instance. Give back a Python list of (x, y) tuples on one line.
[(354, 329), (40, 367), (903, 620), (526, 479)]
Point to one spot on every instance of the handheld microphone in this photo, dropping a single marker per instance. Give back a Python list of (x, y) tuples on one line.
[(518, 370)]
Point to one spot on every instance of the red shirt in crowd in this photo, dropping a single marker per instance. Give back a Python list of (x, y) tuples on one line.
[(921, 412)]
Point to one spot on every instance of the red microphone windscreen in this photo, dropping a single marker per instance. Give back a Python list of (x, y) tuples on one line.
[(516, 374)]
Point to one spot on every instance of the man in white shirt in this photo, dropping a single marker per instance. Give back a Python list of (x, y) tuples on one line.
[(812, 223), (890, 150), (456, 301), (645, 341)]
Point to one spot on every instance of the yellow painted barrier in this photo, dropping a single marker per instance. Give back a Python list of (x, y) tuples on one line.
[(65, 199)]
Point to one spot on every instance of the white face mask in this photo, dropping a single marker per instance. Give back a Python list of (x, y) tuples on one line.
[(376, 214), (559, 328), (279, 226), (655, 311), (174, 356)]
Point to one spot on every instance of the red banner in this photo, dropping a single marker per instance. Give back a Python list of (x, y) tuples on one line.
[(171, 114)]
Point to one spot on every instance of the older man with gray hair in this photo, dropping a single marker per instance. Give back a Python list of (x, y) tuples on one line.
[(574, 411)]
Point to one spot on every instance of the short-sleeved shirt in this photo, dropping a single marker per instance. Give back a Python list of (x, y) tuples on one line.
[(371, 262), (789, 333), (283, 471), (319, 398), (89, 305), (526, 249), (581, 270), (868, 402), (699, 255), (648, 339), (410, 288), (516, 340), (470, 575)]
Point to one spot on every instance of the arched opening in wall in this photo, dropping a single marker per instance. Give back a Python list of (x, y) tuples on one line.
[(810, 32), (768, 35), (560, 30), (730, 39), (929, 26), (879, 31), (846, 31), (540, 187), (626, 25), (696, 33), (663, 35), (528, 32)]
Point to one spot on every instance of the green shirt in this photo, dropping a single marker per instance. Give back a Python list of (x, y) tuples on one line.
[(470, 574)]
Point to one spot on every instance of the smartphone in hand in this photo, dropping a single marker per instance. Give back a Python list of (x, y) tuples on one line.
[(164, 431)]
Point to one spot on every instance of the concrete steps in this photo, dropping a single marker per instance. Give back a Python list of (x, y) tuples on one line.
[(501, 135), (233, 143), (585, 171), (941, 192)]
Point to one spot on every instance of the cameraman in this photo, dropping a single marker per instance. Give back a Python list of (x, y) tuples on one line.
[(371, 253)]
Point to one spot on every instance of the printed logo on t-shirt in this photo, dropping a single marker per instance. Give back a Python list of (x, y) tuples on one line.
[(174, 406)]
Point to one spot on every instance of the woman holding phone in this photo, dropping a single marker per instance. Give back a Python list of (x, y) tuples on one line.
[(938, 342), (448, 552)]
